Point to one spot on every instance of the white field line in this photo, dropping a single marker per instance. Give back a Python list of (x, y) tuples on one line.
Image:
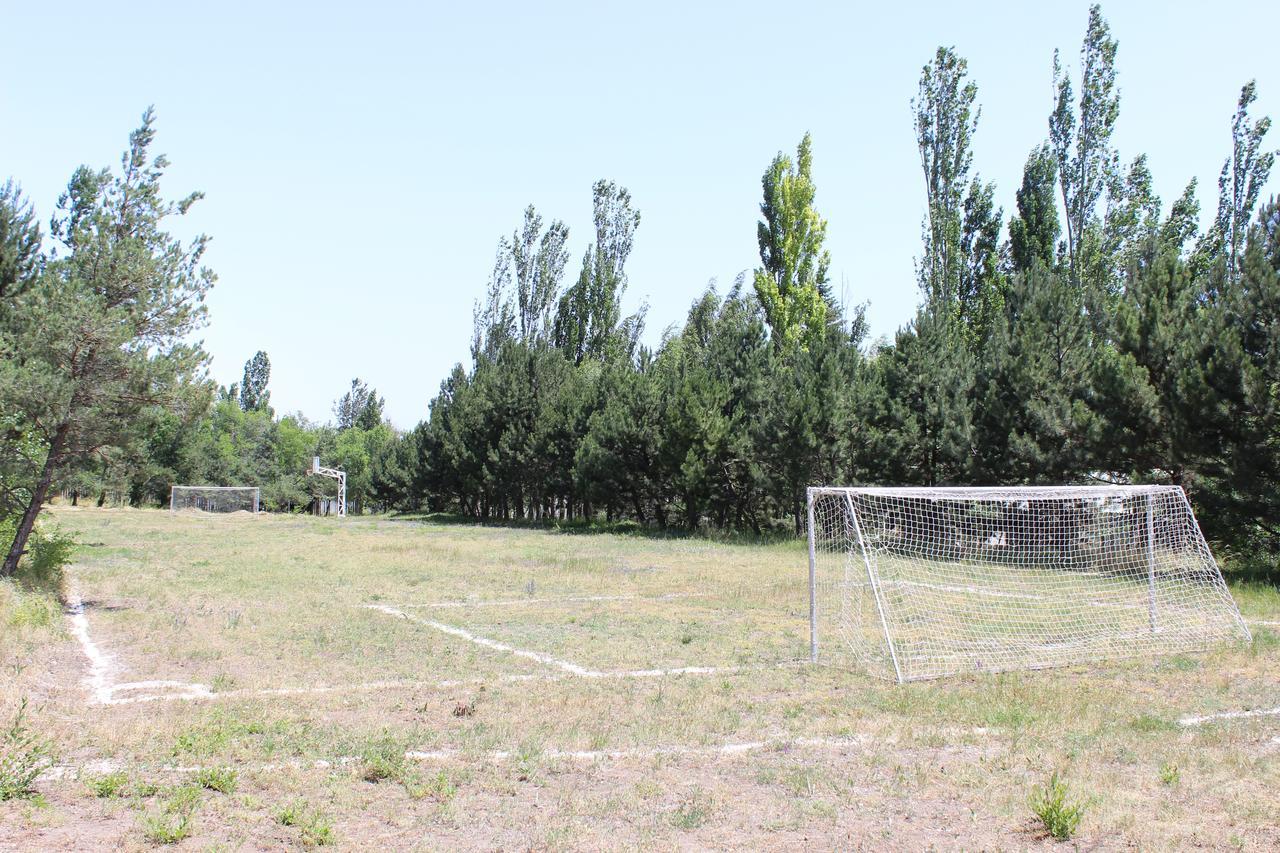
[(547, 660), (99, 661), (730, 748), (1269, 624), (101, 690), (1229, 715), (508, 602)]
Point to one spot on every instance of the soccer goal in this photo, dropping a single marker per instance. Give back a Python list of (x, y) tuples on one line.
[(214, 498), (916, 583)]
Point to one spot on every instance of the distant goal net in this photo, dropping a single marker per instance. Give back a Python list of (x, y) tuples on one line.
[(917, 583), (214, 499)]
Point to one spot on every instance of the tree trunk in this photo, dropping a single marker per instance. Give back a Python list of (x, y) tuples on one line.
[(28, 522)]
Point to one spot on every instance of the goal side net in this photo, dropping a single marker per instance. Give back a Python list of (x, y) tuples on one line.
[(214, 499), (917, 583)]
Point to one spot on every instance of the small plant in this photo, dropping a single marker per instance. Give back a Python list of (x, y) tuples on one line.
[(439, 787), (220, 779), (317, 830), (1051, 803), (109, 785), (1170, 774), (382, 759), (1148, 723), (221, 683), (172, 822), (692, 812), (24, 755)]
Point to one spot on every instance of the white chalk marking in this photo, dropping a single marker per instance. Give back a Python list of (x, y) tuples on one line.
[(567, 666), (1229, 715), (509, 602), (1263, 622), (101, 690), (731, 748), (99, 662), (546, 660)]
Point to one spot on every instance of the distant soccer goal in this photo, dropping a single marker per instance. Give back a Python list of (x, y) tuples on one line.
[(214, 498), (916, 583)]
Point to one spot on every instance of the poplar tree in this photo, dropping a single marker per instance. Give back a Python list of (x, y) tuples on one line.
[(792, 283), (1080, 137), (254, 396)]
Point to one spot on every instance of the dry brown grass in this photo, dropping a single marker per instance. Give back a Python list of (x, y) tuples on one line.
[(243, 605)]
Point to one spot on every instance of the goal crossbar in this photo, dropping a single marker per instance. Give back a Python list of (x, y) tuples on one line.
[(915, 583)]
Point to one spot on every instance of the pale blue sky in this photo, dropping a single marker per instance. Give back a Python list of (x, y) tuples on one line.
[(362, 159)]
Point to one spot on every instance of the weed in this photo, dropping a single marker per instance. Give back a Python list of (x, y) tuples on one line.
[(220, 779), (1051, 803), (382, 759), (1169, 773), (692, 812), (317, 829), (439, 787), (172, 822), (221, 683), (318, 832), (109, 784), (1148, 723), (24, 755)]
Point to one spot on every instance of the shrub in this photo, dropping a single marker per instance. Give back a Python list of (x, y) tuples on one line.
[(172, 822), (317, 830), (1051, 803), (24, 755), (108, 785), (220, 779)]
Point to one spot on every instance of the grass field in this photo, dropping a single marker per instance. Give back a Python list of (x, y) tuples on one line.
[(281, 682)]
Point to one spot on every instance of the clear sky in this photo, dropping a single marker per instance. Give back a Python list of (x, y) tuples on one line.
[(361, 159)]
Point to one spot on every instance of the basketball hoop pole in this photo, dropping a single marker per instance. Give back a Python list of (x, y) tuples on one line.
[(336, 474)]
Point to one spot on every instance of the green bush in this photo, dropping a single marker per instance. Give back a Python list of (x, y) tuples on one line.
[(44, 566), (24, 755), (172, 822), (221, 779), (1051, 803)]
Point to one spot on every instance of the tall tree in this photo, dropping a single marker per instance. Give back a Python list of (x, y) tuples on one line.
[(359, 407), (1243, 176), (254, 396), (946, 120), (981, 291), (589, 312), (792, 282), (99, 337), (1033, 233), (1080, 136), (20, 245), (539, 258)]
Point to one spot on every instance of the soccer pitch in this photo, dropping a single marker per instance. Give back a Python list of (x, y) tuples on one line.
[(420, 685)]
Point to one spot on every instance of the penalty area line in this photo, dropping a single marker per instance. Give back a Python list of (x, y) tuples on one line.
[(730, 748), (1229, 715), (573, 599), (547, 660)]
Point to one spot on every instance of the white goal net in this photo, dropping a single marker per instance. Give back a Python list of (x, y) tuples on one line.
[(915, 583), (214, 498)]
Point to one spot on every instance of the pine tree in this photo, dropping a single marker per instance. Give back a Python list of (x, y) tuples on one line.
[(99, 337)]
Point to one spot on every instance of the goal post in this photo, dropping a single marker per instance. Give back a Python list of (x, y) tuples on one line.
[(214, 499), (917, 583)]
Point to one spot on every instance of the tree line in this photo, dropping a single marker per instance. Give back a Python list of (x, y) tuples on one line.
[(1096, 335)]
